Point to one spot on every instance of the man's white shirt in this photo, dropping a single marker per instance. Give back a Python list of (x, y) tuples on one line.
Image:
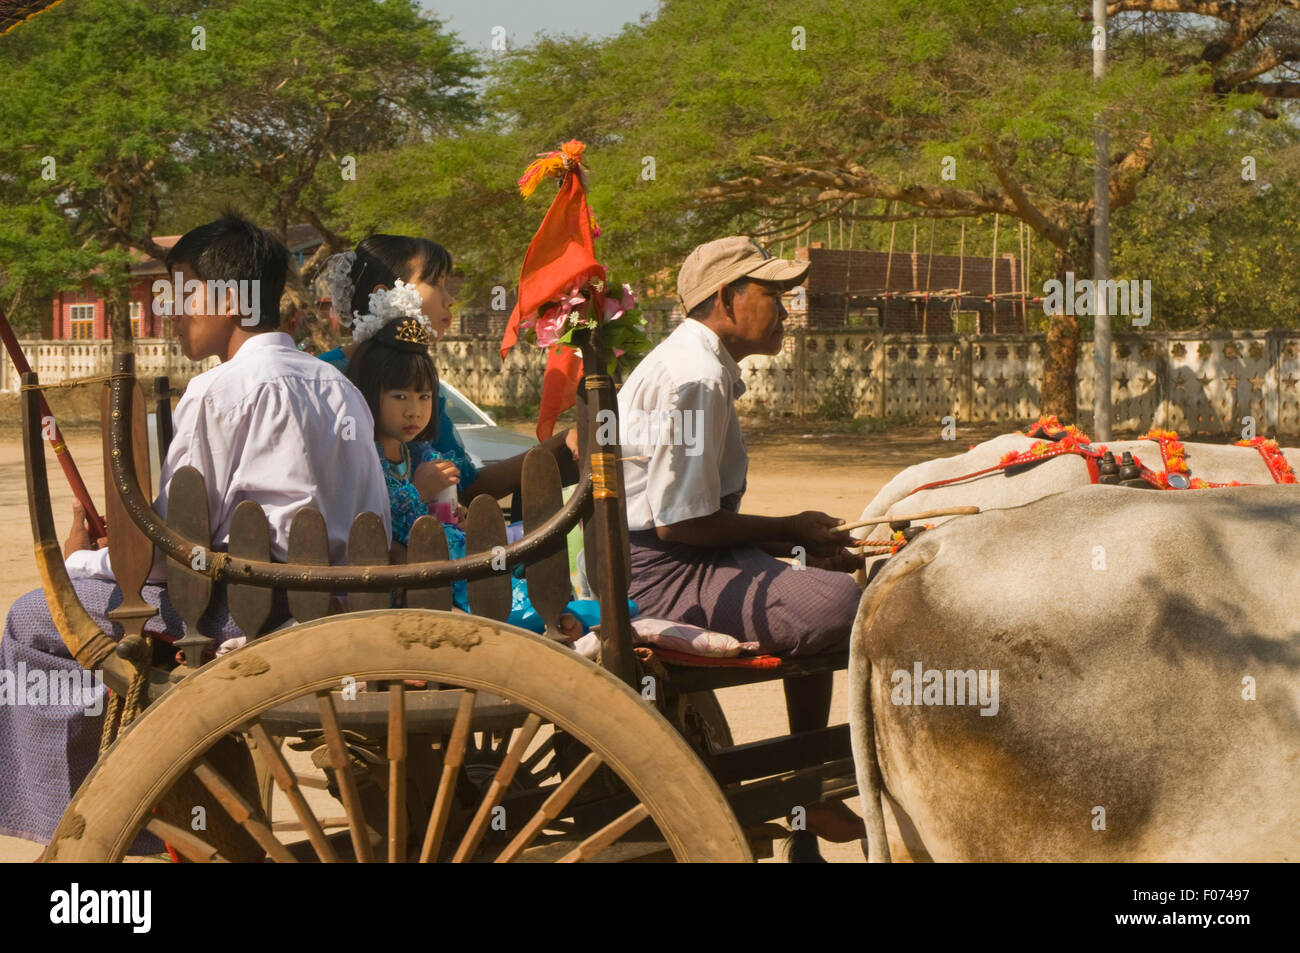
[(281, 428), (677, 409)]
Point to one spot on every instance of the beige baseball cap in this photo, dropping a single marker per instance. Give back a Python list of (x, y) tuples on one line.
[(720, 262)]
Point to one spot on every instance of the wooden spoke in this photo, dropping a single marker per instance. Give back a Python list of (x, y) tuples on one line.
[(192, 847), (241, 812), (340, 761), (326, 823), (453, 758), (311, 781), (534, 760), (396, 773), (500, 784), (287, 781), (550, 808), (611, 832)]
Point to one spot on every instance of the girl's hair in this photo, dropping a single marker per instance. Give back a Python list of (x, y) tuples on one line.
[(375, 367), (411, 259), (368, 273)]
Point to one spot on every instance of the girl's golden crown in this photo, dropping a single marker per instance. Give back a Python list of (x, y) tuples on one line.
[(411, 331)]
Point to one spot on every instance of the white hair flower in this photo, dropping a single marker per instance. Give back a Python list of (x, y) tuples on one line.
[(338, 281), (399, 301)]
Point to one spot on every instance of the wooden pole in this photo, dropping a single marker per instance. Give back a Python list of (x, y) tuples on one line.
[(55, 438), (1101, 340), (997, 219)]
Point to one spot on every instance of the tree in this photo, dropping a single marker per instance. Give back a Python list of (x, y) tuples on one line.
[(307, 96), (87, 140), (244, 97), (753, 115)]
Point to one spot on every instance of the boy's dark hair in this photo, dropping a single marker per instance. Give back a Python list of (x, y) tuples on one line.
[(705, 307), (375, 368), (234, 249)]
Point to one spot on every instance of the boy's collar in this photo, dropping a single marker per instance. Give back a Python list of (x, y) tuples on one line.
[(265, 339)]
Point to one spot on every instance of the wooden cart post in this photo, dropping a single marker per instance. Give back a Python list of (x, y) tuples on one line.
[(601, 453)]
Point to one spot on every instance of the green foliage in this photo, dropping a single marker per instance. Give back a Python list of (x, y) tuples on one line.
[(157, 118), (890, 89), (1216, 247), (150, 135), (86, 140)]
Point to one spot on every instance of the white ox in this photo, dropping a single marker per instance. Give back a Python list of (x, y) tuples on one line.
[(1147, 645), (1211, 462)]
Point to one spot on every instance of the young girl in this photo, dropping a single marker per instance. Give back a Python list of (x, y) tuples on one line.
[(425, 266), (394, 371)]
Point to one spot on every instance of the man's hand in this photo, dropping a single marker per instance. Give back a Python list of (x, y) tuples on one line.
[(571, 441), (434, 476), (843, 561), (816, 532), (79, 535)]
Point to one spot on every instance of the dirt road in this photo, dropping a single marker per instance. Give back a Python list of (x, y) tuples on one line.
[(792, 468)]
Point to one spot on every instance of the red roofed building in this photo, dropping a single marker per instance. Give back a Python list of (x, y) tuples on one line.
[(80, 315)]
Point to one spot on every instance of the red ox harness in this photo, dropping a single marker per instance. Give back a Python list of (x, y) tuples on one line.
[(1059, 440)]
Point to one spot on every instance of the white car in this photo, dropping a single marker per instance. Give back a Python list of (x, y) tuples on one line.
[(484, 441)]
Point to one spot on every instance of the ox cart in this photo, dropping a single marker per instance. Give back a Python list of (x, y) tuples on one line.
[(436, 735)]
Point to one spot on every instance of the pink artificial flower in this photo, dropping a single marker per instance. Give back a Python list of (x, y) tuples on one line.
[(550, 326), (612, 310), (628, 300)]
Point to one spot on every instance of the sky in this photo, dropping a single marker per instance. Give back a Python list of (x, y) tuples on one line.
[(474, 20)]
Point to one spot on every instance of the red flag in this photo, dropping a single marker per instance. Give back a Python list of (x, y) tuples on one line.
[(559, 388), (560, 257)]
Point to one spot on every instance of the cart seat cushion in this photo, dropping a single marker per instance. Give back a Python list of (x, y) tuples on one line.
[(676, 638), (688, 639)]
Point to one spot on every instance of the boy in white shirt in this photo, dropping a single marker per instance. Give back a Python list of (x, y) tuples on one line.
[(269, 424)]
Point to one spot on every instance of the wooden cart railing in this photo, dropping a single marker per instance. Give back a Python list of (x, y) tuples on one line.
[(135, 529)]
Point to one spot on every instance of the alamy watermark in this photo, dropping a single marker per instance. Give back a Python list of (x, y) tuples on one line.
[(76, 906), (178, 296), (1128, 298), (932, 686), (651, 428), (40, 687)]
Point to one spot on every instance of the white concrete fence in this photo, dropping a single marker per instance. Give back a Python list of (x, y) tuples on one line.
[(1192, 382)]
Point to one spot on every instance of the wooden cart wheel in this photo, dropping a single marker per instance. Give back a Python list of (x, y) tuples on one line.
[(649, 787)]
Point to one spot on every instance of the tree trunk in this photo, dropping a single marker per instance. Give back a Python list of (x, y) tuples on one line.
[(117, 312), (1060, 363)]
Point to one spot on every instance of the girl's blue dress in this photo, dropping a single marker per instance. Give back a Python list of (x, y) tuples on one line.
[(447, 444), (407, 507)]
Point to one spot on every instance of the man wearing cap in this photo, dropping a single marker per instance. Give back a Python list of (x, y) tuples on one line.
[(695, 557)]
